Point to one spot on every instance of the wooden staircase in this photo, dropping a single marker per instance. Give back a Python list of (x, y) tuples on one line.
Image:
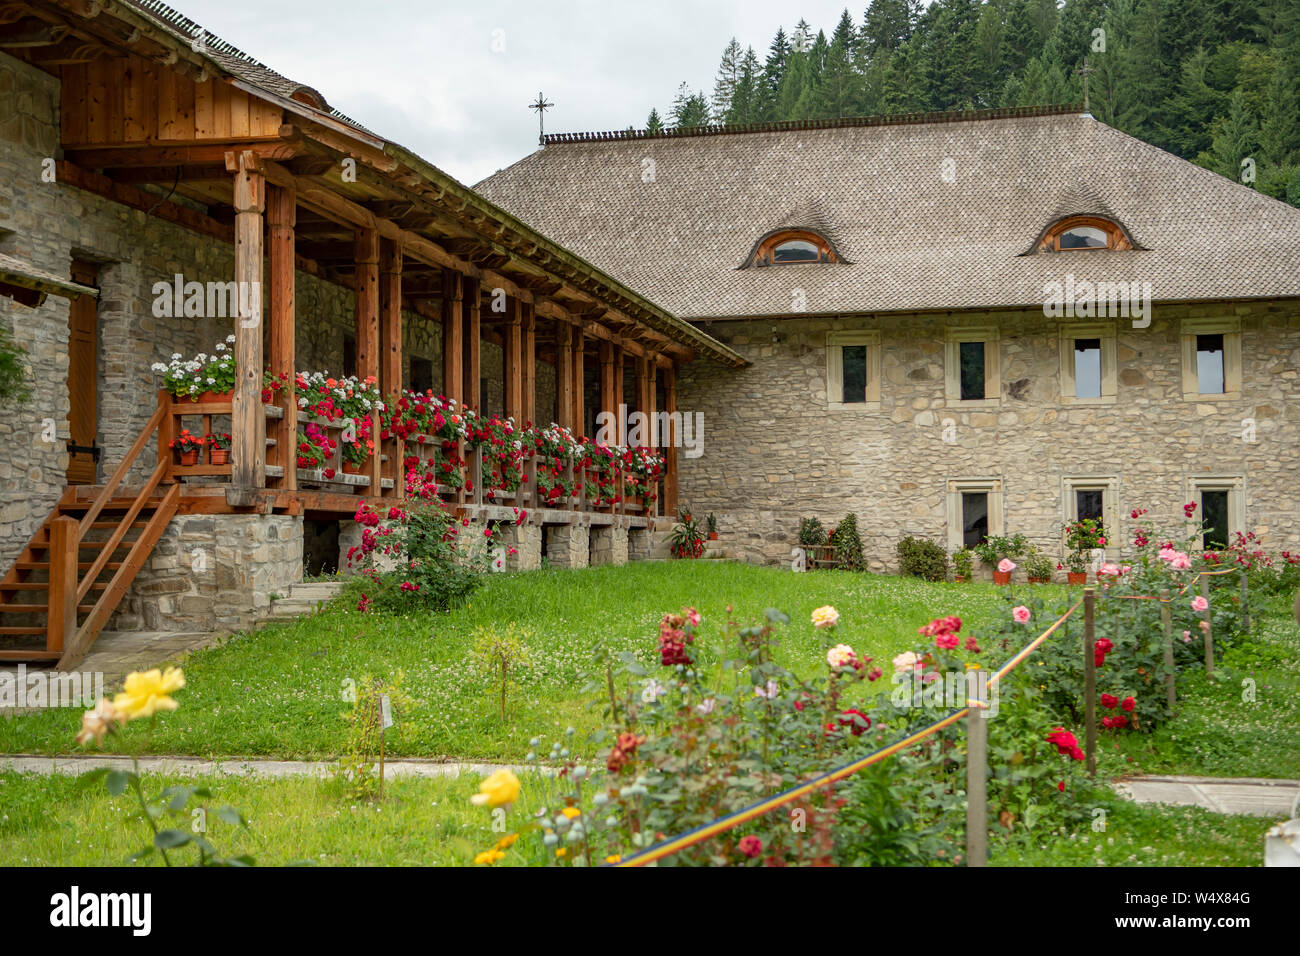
[(75, 570)]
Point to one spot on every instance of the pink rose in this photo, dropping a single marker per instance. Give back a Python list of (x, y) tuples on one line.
[(1199, 603), (1020, 614), (1006, 565)]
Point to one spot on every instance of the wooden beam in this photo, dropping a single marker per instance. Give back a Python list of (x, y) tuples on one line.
[(281, 218), (608, 403), (670, 452), (390, 362), (473, 344), (366, 256), (579, 383), (530, 363), (248, 420), (179, 153), (453, 377), (514, 361), (564, 375)]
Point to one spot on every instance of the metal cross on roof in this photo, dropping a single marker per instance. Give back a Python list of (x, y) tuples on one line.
[(1085, 71), (541, 106)]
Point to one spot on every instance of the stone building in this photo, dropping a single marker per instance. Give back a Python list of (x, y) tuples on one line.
[(956, 325)]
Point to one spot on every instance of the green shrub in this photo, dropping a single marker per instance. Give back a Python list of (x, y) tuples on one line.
[(811, 533), (14, 388), (923, 559), (848, 546)]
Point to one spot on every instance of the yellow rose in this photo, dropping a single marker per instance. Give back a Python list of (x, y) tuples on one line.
[(147, 692), (825, 616), (500, 789)]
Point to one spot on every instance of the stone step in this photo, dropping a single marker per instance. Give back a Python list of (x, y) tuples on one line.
[(304, 598)]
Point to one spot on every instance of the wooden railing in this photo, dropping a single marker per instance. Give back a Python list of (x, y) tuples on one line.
[(383, 468)]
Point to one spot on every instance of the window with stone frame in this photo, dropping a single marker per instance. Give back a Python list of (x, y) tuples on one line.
[(1088, 363), (853, 370), (972, 374), (1211, 352), (1220, 507), (974, 511), (1096, 497)]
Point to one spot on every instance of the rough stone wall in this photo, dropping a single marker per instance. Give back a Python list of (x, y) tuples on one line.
[(568, 545), (213, 572), (774, 452), (609, 546)]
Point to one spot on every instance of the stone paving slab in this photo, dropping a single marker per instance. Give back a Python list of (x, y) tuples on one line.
[(116, 653), (1253, 796), (273, 769)]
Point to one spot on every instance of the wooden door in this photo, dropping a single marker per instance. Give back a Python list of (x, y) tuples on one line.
[(83, 380)]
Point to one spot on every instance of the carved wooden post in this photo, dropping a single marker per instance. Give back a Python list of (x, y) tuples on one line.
[(453, 350), (390, 357), (670, 453), (61, 618), (472, 309), (248, 421), (513, 361), (579, 385), (281, 218), (530, 364), (1090, 678), (564, 374), (366, 257)]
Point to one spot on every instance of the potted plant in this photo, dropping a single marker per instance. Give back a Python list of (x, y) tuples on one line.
[(1038, 567), (711, 523), (204, 378), (314, 446), (218, 448), (687, 541), (963, 561), (186, 447), (1077, 563)]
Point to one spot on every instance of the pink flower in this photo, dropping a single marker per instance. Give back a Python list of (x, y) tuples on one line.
[(1180, 561), (750, 846), (1101, 542), (946, 642), (1006, 565), (1199, 603), (1020, 614), (1187, 637)]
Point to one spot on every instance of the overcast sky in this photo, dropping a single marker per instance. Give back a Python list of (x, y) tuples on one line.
[(425, 74)]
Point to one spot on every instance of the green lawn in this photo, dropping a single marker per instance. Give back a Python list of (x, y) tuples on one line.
[(280, 691), (65, 821)]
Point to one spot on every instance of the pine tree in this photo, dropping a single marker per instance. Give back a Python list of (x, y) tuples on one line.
[(724, 87), (689, 109), (839, 87), (653, 123), (744, 106), (778, 56), (1235, 138)]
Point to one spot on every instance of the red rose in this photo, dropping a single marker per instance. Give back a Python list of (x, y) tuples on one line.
[(750, 846), (1061, 786), (1109, 700), (1128, 704)]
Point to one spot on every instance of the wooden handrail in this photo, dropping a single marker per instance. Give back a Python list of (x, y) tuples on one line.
[(115, 538), (120, 472)]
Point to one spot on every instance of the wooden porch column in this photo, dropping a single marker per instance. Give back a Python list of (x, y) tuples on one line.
[(453, 336), (620, 418), (366, 257), (530, 364), (282, 216), (579, 389), (473, 343), (670, 453), (390, 355), (608, 403), (513, 352), (644, 402), (564, 374), (248, 421)]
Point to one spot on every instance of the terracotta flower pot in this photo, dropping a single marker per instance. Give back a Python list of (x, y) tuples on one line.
[(1040, 580), (1077, 577), (1001, 577), (351, 469), (713, 536), (187, 457), (218, 456), (959, 578)]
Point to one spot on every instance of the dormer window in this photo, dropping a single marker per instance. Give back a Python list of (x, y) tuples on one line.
[(1082, 233), (792, 247)]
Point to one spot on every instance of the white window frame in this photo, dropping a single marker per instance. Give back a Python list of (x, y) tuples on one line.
[(835, 342), (1234, 485), (1108, 485), (954, 336), (959, 486), (1230, 328), (1105, 331)]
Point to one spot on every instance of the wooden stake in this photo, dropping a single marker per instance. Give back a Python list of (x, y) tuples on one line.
[(1209, 636), (1167, 627), (1090, 678), (977, 810), (1245, 603)]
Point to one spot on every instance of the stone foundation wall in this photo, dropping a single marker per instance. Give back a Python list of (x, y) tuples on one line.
[(213, 572), (775, 452), (568, 546), (608, 546)]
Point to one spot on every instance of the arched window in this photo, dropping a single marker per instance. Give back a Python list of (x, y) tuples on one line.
[(1080, 233), (793, 246)]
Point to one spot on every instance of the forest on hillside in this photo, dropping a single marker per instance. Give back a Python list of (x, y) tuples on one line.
[(1214, 81)]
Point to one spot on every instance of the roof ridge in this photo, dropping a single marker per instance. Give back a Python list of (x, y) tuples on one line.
[(894, 119)]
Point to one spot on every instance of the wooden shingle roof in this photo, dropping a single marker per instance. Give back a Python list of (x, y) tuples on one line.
[(675, 216)]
